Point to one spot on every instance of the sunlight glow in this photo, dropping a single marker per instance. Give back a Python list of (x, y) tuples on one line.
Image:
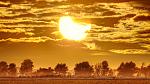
[(72, 30)]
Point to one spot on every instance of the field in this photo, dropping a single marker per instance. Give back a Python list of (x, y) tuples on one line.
[(71, 81)]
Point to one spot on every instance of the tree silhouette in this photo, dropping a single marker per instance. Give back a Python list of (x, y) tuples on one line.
[(83, 69), (26, 67), (61, 69), (105, 68), (98, 68), (12, 70), (121, 69), (146, 71), (44, 72), (127, 69), (3, 68), (110, 73)]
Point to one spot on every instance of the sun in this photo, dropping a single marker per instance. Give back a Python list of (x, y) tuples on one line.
[(72, 30)]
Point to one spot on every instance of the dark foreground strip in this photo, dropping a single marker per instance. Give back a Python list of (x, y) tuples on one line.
[(31, 79)]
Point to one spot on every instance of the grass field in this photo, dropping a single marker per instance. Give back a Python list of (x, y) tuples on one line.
[(71, 81)]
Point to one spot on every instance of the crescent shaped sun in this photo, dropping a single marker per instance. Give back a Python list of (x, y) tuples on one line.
[(72, 30)]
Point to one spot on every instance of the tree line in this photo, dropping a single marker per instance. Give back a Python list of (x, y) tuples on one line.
[(83, 69)]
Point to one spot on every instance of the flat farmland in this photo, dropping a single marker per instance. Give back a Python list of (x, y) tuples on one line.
[(71, 81)]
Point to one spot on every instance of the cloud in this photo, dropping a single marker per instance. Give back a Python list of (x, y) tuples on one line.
[(142, 18), (96, 1), (109, 13), (4, 4), (14, 16), (146, 46), (106, 21), (30, 39), (18, 30), (53, 0), (6, 33), (143, 36), (145, 31), (131, 51), (121, 35), (142, 5), (117, 45), (142, 40), (91, 46)]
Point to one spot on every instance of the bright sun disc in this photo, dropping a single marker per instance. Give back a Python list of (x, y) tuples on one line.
[(72, 30)]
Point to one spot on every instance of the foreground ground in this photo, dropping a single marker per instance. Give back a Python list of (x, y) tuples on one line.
[(71, 81)]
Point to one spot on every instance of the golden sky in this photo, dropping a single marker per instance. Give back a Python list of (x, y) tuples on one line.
[(119, 32)]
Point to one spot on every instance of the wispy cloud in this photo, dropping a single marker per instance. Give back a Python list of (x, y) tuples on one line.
[(18, 30), (30, 39), (131, 51)]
